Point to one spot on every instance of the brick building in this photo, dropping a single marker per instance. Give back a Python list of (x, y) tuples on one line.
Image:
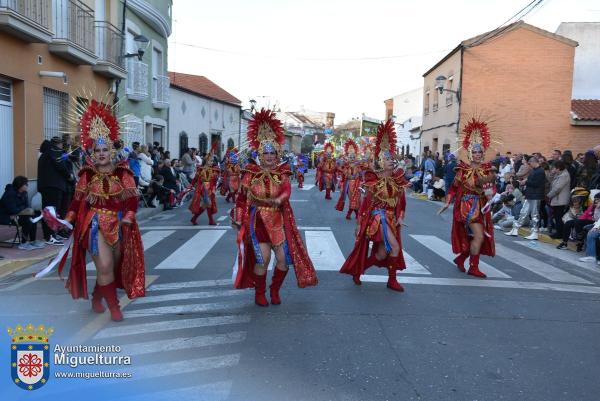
[(521, 78)]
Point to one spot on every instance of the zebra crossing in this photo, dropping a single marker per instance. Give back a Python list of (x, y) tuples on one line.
[(327, 255)]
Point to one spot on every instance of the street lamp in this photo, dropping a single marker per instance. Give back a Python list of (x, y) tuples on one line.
[(142, 44), (439, 85), (252, 105)]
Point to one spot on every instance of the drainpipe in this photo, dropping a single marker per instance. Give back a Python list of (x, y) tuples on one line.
[(118, 81)]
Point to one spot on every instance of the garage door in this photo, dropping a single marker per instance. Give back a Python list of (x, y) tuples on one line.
[(6, 135)]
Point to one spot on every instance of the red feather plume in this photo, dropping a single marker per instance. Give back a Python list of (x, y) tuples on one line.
[(328, 147), (264, 116), (350, 143), (104, 112), (386, 130), (476, 125)]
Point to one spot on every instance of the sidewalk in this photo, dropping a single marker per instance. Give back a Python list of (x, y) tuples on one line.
[(16, 259)]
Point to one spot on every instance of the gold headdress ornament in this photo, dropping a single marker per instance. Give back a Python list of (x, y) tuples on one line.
[(385, 143), (265, 132), (475, 135), (329, 148)]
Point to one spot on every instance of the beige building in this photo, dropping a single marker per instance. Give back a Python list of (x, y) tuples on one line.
[(51, 49)]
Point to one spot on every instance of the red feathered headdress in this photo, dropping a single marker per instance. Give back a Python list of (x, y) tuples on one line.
[(349, 146), (476, 133), (98, 125), (385, 143), (328, 148), (265, 129)]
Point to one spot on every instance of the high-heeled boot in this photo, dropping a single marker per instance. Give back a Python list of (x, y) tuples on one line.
[(109, 292), (276, 282), (97, 300), (260, 288), (349, 214), (474, 267), (393, 283), (460, 260), (211, 220)]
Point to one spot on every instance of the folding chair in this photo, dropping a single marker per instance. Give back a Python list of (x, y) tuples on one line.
[(18, 238)]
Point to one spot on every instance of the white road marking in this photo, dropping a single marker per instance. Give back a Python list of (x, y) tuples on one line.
[(154, 327), (186, 366), (218, 391), (298, 200), (324, 250), (183, 309), (564, 255), (190, 227), (412, 266), (222, 218), (174, 344), (192, 251), (537, 266), (190, 284), (182, 296), (149, 239), (444, 249), (163, 216), (475, 282), (306, 228), (305, 187)]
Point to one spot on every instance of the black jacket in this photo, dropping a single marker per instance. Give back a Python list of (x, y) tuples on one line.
[(535, 184), (11, 203), (52, 170), (170, 179)]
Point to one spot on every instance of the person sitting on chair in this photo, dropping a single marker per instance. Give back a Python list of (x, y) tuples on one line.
[(14, 207)]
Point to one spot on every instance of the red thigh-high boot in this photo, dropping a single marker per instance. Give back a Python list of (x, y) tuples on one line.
[(356, 213), (276, 282), (474, 267), (328, 193), (109, 292), (211, 221), (195, 217), (260, 287), (460, 260), (349, 214), (393, 283), (97, 300)]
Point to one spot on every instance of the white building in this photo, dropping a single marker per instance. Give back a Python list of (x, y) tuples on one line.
[(201, 113), (408, 104), (408, 135)]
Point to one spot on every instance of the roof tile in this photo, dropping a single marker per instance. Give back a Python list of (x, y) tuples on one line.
[(586, 109), (203, 87)]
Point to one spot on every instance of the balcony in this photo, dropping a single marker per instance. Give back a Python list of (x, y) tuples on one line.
[(137, 80), (26, 19), (74, 32), (109, 42), (449, 99), (160, 92)]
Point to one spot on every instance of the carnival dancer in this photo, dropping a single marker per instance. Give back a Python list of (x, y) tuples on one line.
[(205, 184), (367, 161), (231, 175), (381, 214), (302, 166), (472, 190), (264, 217), (328, 167), (103, 212), (351, 173)]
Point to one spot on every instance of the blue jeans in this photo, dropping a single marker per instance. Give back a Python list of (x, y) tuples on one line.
[(590, 243)]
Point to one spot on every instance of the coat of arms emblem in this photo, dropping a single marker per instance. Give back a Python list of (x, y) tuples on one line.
[(30, 355)]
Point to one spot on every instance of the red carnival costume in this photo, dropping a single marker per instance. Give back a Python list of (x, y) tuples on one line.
[(327, 170), (205, 184), (231, 175), (264, 216), (351, 172), (301, 169), (100, 204), (380, 215), (471, 190)]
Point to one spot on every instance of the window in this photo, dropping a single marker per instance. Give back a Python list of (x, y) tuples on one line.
[(157, 67), (449, 95), (202, 143), (56, 105), (436, 96), (426, 108), (183, 143)]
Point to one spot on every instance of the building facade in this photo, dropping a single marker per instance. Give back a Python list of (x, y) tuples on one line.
[(144, 93), (53, 52), (520, 79), (406, 109), (201, 114)]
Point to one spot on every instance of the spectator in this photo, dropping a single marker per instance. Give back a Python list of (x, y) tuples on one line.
[(523, 169), (69, 158), (15, 203), (188, 160), (587, 170), (52, 183), (590, 216), (556, 155), (559, 196), (438, 189), (534, 193), (134, 162), (449, 171), (145, 165), (427, 180), (170, 180), (567, 158), (121, 153), (505, 213)]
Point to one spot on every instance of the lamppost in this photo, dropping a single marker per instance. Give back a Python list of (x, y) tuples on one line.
[(142, 43), (439, 85), (251, 110)]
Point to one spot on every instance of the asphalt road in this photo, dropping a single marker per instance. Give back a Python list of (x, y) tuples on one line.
[(529, 332)]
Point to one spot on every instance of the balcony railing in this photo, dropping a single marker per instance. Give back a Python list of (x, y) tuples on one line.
[(35, 10), (27, 19), (449, 99), (160, 92), (137, 80), (109, 42), (74, 22), (435, 106)]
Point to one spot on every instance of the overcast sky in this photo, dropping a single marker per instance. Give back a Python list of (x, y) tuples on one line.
[(337, 55)]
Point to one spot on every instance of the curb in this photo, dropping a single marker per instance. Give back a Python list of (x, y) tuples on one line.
[(9, 266)]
